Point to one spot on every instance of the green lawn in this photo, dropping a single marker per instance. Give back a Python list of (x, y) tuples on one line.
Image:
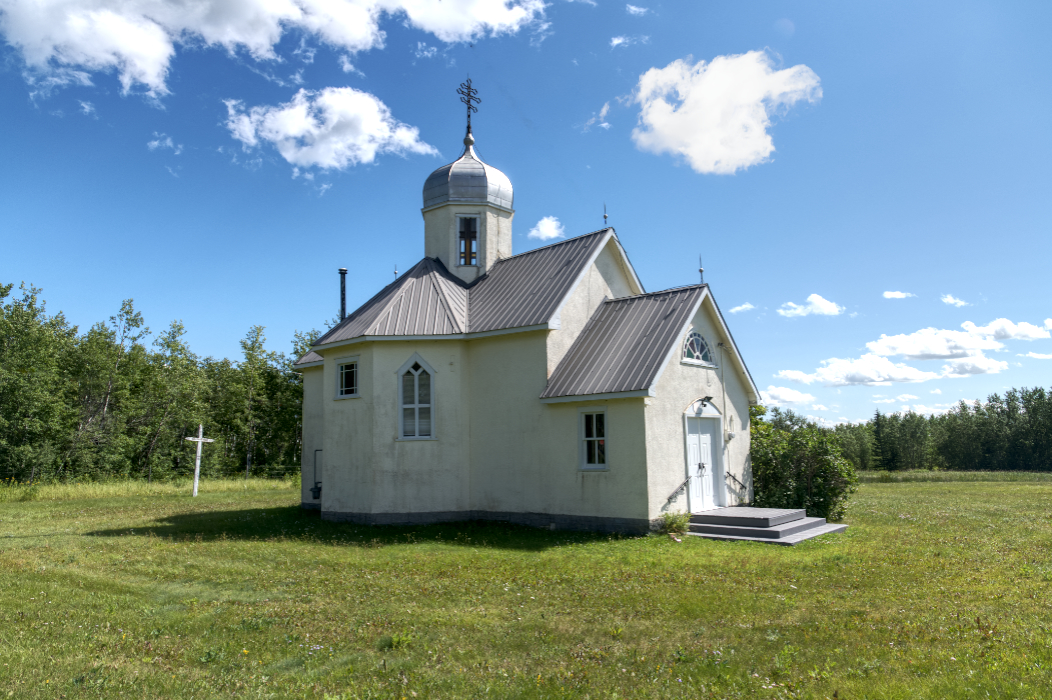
[(938, 590)]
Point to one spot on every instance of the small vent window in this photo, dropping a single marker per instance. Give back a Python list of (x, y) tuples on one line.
[(347, 380), (697, 350), (469, 241)]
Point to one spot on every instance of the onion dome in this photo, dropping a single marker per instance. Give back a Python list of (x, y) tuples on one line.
[(468, 180)]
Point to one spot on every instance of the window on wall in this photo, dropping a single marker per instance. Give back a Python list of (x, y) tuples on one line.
[(469, 241), (594, 440), (347, 379), (695, 349), (416, 402)]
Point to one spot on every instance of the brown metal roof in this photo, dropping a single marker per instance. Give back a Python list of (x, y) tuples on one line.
[(523, 290), (527, 289), (625, 344)]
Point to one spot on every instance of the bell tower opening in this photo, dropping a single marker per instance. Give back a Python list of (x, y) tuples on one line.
[(468, 208), (468, 246)]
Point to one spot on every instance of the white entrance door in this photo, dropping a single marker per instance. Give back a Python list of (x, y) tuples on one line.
[(701, 467)]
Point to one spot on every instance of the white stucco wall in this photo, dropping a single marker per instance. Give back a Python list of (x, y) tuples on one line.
[(313, 430), (605, 279), (678, 387)]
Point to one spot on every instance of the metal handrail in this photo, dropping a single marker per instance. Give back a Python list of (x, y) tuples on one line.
[(678, 490), (731, 476)]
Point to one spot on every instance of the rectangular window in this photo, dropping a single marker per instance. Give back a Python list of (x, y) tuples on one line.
[(416, 403), (594, 440), (468, 241), (347, 379)]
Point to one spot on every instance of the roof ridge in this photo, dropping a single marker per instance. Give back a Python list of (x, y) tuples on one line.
[(552, 245), (660, 291), (438, 268)]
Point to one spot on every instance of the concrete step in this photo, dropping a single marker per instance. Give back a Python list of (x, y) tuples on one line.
[(775, 532), (788, 541), (747, 517)]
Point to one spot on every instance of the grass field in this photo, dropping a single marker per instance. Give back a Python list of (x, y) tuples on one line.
[(938, 590)]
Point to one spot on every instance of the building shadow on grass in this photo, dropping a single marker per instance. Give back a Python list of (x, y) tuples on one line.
[(295, 524)]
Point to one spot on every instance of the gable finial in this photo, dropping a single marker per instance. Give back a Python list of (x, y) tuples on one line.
[(469, 95), (701, 270), (604, 215)]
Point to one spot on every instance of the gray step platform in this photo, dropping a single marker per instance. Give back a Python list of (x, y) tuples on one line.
[(789, 541), (747, 517), (771, 525), (775, 532)]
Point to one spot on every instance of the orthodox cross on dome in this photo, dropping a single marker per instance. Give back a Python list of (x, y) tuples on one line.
[(469, 95)]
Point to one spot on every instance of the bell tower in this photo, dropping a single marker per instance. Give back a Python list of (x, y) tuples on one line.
[(468, 208)]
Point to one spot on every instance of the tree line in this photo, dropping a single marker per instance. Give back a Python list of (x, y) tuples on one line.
[(1012, 432), (116, 401)]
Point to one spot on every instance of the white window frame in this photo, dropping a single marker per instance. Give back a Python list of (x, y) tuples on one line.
[(582, 447), (415, 359), (691, 362), (340, 364), (478, 238)]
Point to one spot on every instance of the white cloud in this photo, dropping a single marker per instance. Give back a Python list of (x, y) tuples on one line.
[(782, 396), (936, 410), (898, 295), (1003, 329), (815, 305), (818, 407), (953, 301), (329, 128), (935, 391), (968, 366), (1048, 324), (636, 11), (61, 39), (744, 307), (905, 397), (88, 109), (347, 67), (546, 229), (599, 119), (628, 41), (163, 141), (425, 51), (868, 370), (932, 344), (715, 115), (1038, 356)]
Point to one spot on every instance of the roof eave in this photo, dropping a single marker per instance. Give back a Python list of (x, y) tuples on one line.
[(638, 393)]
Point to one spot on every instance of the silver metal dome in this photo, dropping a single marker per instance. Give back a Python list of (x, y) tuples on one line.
[(468, 179)]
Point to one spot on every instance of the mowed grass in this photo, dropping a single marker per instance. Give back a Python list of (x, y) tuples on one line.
[(938, 590)]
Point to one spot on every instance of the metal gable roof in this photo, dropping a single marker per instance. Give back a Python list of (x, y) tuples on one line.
[(625, 344), (527, 289)]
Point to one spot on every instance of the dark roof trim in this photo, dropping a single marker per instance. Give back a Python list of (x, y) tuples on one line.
[(640, 393)]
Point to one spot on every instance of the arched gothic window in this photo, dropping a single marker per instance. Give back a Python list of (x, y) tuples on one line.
[(416, 402), (697, 350)]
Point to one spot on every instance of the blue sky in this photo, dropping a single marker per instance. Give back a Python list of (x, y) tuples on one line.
[(816, 155)]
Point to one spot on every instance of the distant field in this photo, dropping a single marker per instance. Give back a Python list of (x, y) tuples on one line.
[(938, 590), (879, 477)]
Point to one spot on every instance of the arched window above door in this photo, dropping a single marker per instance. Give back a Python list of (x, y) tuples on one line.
[(696, 350)]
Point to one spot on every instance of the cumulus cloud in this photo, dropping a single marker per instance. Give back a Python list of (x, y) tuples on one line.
[(744, 307), (935, 391), (329, 128), (547, 229), (868, 370), (932, 344), (636, 11), (1003, 329), (818, 407), (898, 295), (62, 39), (1048, 324), (1038, 356), (599, 119), (815, 305), (164, 141), (978, 364), (782, 396), (953, 301), (715, 115)]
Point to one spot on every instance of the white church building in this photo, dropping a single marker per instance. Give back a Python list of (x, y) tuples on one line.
[(546, 388)]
